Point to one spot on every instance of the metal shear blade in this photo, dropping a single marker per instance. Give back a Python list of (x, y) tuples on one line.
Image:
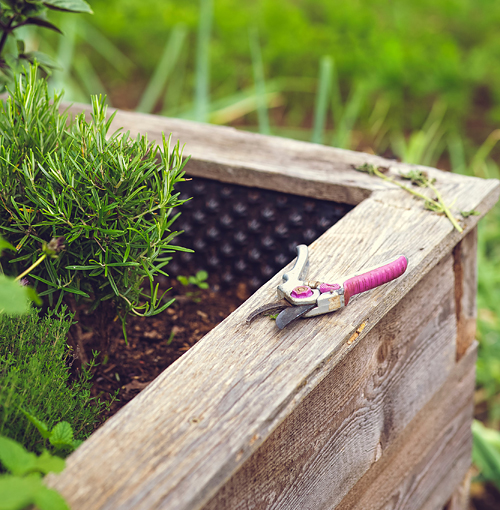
[(269, 307), (290, 314)]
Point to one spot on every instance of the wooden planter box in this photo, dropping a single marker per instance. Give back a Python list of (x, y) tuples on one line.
[(366, 408)]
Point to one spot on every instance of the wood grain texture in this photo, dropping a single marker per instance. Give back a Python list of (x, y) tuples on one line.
[(230, 155), (460, 499), (349, 420), (465, 268), (184, 436), (421, 469)]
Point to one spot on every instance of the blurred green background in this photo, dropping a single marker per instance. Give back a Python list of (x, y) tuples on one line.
[(415, 80)]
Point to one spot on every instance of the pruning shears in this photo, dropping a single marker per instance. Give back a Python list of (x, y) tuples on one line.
[(298, 297)]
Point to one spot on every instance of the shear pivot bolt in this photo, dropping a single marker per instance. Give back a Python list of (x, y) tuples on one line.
[(301, 292)]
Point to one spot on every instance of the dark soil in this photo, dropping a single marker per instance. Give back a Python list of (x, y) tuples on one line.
[(155, 342), (484, 497)]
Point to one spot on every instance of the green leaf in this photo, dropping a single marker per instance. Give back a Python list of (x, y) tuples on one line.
[(44, 281), (5, 245), (82, 268), (33, 296), (466, 214), (49, 499), (61, 435), (47, 463), (179, 248), (15, 458), (39, 22), (72, 290), (40, 425), (14, 298), (123, 264), (486, 451), (201, 275), (113, 284), (16, 492), (77, 443), (69, 5), (183, 280)]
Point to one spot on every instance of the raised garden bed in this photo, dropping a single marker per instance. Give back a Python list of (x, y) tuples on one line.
[(242, 236), (354, 409)]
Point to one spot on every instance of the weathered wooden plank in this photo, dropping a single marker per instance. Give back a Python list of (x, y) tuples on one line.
[(182, 438), (230, 155), (291, 166), (420, 470), (465, 267), (460, 499), (349, 420)]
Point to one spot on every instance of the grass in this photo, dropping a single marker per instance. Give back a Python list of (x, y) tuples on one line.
[(411, 52), (322, 99), (405, 55), (163, 71)]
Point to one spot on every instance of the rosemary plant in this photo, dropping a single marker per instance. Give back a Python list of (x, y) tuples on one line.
[(107, 199)]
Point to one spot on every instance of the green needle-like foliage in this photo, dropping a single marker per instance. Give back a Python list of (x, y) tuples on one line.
[(109, 197), (35, 381)]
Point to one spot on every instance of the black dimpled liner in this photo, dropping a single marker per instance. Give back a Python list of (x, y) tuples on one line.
[(246, 234)]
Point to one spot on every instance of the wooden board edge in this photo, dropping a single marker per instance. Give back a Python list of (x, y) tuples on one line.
[(312, 170)]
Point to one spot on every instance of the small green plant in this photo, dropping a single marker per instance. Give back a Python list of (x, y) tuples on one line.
[(199, 279), (35, 380), (22, 486), (61, 435), (15, 14), (109, 197), (418, 178)]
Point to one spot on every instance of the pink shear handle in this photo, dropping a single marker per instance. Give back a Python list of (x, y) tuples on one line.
[(374, 278)]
